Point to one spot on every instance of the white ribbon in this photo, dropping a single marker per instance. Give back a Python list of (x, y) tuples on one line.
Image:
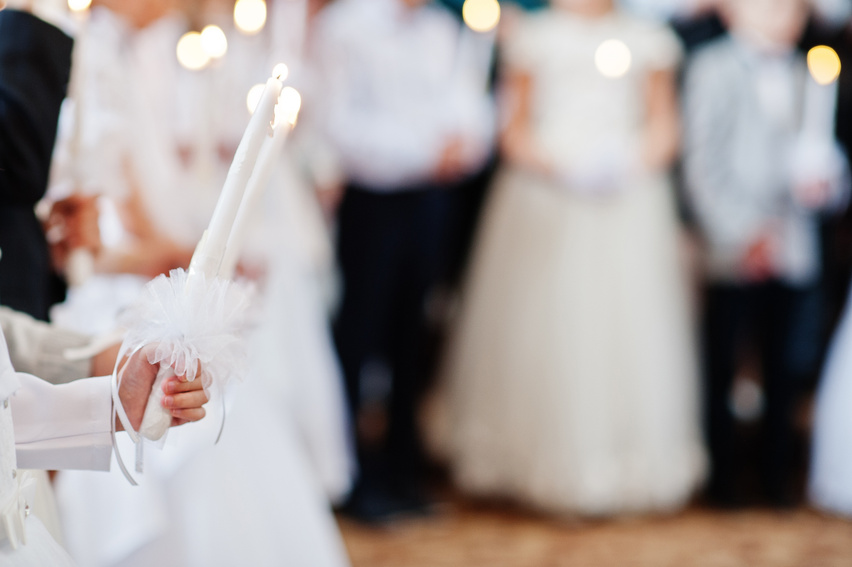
[(14, 510)]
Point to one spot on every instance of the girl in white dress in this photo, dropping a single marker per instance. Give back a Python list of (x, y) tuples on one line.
[(572, 382)]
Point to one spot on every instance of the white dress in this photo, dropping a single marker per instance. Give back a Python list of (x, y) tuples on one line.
[(830, 484), (259, 497), (572, 380)]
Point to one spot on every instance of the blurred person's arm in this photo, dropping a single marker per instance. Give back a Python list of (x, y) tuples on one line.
[(35, 62), (35, 347), (517, 142), (72, 224), (150, 253), (731, 221), (662, 127)]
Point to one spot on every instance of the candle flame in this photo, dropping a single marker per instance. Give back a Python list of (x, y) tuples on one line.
[(824, 64), (214, 42), (613, 58), (253, 97), (79, 5), (281, 72), (250, 15), (191, 53), (289, 103), (481, 15)]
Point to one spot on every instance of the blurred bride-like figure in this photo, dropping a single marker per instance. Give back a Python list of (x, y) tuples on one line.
[(572, 381)]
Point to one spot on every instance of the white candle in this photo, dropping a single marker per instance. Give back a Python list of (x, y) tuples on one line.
[(80, 265), (820, 109), (820, 104), (286, 113), (210, 251), (476, 43)]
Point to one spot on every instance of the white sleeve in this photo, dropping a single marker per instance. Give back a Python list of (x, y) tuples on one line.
[(726, 210), (38, 348), (394, 145), (62, 427)]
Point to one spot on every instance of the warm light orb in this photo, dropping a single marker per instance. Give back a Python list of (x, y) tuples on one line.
[(613, 58), (253, 97), (214, 42), (481, 15), (824, 64), (250, 15), (191, 53), (281, 72), (79, 5), (289, 103)]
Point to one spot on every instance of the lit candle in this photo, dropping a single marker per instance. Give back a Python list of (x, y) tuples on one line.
[(476, 44), (81, 261), (820, 105), (286, 113), (210, 251)]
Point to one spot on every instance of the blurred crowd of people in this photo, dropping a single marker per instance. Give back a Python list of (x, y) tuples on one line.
[(589, 262)]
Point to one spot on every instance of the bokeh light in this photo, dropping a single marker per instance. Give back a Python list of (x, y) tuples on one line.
[(190, 51), (250, 15), (481, 15), (79, 5), (289, 103), (253, 97), (214, 42), (613, 58), (824, 64), (281, 72)]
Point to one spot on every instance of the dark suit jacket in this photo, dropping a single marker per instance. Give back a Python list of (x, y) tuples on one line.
[(35, 63)]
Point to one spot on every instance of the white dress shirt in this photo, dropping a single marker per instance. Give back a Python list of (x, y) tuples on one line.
[(392, 93), (43, 426)]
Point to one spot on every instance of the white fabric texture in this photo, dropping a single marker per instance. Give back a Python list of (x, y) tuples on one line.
[(391, 99), (571, 385), (253, 499), (37, 348), (829, 484), (54, 427), (250, 500), (41, 549)]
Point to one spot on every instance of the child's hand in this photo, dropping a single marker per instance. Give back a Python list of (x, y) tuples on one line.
[(183, 399), (758, 264)]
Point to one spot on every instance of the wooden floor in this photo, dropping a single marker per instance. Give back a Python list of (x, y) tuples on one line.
[(471, 535)]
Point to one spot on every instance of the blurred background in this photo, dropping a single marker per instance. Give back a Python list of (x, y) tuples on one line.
[(539, 283)]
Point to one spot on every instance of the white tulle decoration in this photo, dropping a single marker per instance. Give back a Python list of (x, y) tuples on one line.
[(195, 322)]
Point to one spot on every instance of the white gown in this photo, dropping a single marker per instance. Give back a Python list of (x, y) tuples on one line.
[(830, 481), (258, 497), (572, 381)]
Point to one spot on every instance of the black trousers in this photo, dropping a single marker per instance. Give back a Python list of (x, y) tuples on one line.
[(784, 323), (391, 249)]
